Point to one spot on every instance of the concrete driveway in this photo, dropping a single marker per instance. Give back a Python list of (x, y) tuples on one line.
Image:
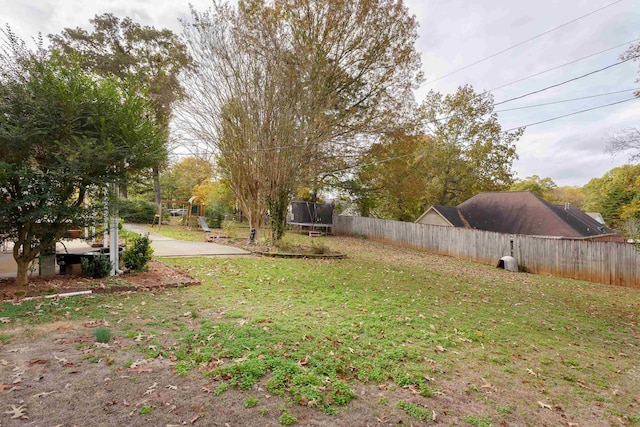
[(168, 247), (162, 247)]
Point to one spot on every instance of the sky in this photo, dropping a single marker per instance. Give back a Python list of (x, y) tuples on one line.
[(456, 33)]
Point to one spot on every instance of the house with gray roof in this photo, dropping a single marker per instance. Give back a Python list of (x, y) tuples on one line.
[(519, 212)]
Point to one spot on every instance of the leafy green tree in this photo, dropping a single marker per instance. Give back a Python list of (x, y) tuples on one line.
[(615, 195), (286, 90), (64, 132), (468, 150), (457, 150), (391, 184), (182, 177), (541, 187), (562, 195), (125, 49)]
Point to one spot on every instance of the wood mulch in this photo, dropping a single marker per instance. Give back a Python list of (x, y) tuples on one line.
[(158, 276)]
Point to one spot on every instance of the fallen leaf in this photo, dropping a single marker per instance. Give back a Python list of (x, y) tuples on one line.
[(196, 418), (151, 388), (140, 370), (38, 362), (440, 349), (544, 405), (18, 412), (94, 323), (45, 393), (488, 385)]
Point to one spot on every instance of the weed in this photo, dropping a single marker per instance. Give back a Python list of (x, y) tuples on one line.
[(572, 363), (222, 387), (102, 335), (182, 368), (250, 402), (263, 411), (478, 420), (506, 410), (418, 412), (146, 409), (286, 419)]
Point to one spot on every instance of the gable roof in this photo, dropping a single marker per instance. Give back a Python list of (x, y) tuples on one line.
[(522, 212), (451, 214)]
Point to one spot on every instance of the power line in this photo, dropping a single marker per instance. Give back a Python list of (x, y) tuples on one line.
[(566, 81), (566, 100), (283, 147), (521, 43), (508, 130), (571, 114), (563, 65)]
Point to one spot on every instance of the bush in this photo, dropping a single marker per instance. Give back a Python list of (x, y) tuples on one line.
[(215, 219), (96, 267), (138, 255), (231, 229), (137, 211)]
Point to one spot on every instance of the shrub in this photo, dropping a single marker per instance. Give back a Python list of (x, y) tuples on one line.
[(215, 216), (231, 229), (138, 255), (137, 211), (96, 267)]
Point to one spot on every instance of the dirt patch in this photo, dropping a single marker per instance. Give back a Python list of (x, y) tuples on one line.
[(61, 376), (158, 276)]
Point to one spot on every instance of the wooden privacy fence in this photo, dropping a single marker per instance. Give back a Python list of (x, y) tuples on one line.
[(611, 263)]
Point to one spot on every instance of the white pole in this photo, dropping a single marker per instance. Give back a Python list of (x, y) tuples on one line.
[(113, 232), (86, 227), (105, 236)]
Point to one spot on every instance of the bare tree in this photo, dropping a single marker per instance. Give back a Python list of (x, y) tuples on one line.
[(627, 140), (285, 90)]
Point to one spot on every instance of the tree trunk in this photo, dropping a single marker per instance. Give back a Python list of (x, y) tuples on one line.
[(123, 190), (22, 277), (156, 186), (278, 211)]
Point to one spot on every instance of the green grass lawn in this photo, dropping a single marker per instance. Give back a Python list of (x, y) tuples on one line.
[(436, 336)]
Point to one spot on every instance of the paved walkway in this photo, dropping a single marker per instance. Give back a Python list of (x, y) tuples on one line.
[(162, 247), (167, 247)]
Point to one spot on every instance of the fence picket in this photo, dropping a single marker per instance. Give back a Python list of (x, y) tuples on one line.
[(611, 263)]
